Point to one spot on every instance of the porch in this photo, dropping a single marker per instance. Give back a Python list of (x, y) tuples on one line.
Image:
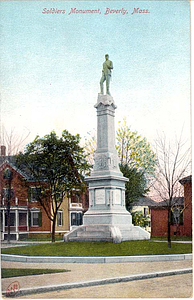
[(19, 225)]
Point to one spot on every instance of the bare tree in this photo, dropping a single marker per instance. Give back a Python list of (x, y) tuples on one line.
[(12, 141), (173, 163)]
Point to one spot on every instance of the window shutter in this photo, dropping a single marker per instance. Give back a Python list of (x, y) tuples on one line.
[(79, 215), (38, 192), (62, 218), (40, 219), (78, 219), (29, 218)]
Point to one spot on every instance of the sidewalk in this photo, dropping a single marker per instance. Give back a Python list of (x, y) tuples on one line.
[(5, 244), (87, 272), (181, 242)]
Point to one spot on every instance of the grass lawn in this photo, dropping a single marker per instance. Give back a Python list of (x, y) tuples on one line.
[(100, 249), (5, 273), (60, 238)]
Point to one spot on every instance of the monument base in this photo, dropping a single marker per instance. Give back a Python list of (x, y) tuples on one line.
[(107, 227), (106, 233)]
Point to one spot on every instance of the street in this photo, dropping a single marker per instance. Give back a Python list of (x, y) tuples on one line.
[(171, 286), (177, 286)]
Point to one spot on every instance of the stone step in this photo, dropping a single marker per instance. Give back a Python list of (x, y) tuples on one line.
[(130, 233), (134, 233), (90, 239), (97, 228), (92, 234)]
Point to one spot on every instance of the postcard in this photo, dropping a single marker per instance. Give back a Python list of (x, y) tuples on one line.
[(95, 138)]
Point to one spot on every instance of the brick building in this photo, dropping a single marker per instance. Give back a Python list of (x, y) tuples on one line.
[(187, 184), (27, 216), (181, 214)]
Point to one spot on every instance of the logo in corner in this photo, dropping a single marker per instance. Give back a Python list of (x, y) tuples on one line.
[(13, 289)]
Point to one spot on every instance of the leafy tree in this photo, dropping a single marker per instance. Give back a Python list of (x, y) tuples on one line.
[(57, 165), (135, 187), (137, 162), (89, 145), (134, 150), (138, 219)]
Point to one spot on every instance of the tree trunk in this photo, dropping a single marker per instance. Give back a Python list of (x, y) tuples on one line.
[(169, 223), (53, 229)]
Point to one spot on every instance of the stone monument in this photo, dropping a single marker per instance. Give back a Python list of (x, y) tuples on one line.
[(107, 218)]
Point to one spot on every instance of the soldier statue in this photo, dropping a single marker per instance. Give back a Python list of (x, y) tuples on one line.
[(106, 75)]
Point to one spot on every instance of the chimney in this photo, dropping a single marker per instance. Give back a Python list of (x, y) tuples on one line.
[(2, 151)]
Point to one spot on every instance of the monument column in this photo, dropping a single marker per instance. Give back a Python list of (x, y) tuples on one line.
[(105, 157), (106, 183)]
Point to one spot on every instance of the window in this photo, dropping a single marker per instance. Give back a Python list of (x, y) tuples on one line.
[(59, 218), (35, 218), (176, 216), (145, 211), (73, 219), (12, 219), (7, 174), (5, 193), (34, 193), (22, 218), (76, 218)]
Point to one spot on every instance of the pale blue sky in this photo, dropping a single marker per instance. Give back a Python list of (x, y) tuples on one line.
[(51, 65)]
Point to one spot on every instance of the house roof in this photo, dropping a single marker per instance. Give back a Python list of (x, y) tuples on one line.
[(176, 201), (11, 160), (186, 179), (144, 201)]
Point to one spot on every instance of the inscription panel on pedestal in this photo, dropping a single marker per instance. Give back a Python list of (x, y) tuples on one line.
[(117, 196), (100, 196)]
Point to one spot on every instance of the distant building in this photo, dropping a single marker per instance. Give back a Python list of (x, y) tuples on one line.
[(78, 205), (187, 183), (144, 205), (159, 218), (27, 216), (181, 213)]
